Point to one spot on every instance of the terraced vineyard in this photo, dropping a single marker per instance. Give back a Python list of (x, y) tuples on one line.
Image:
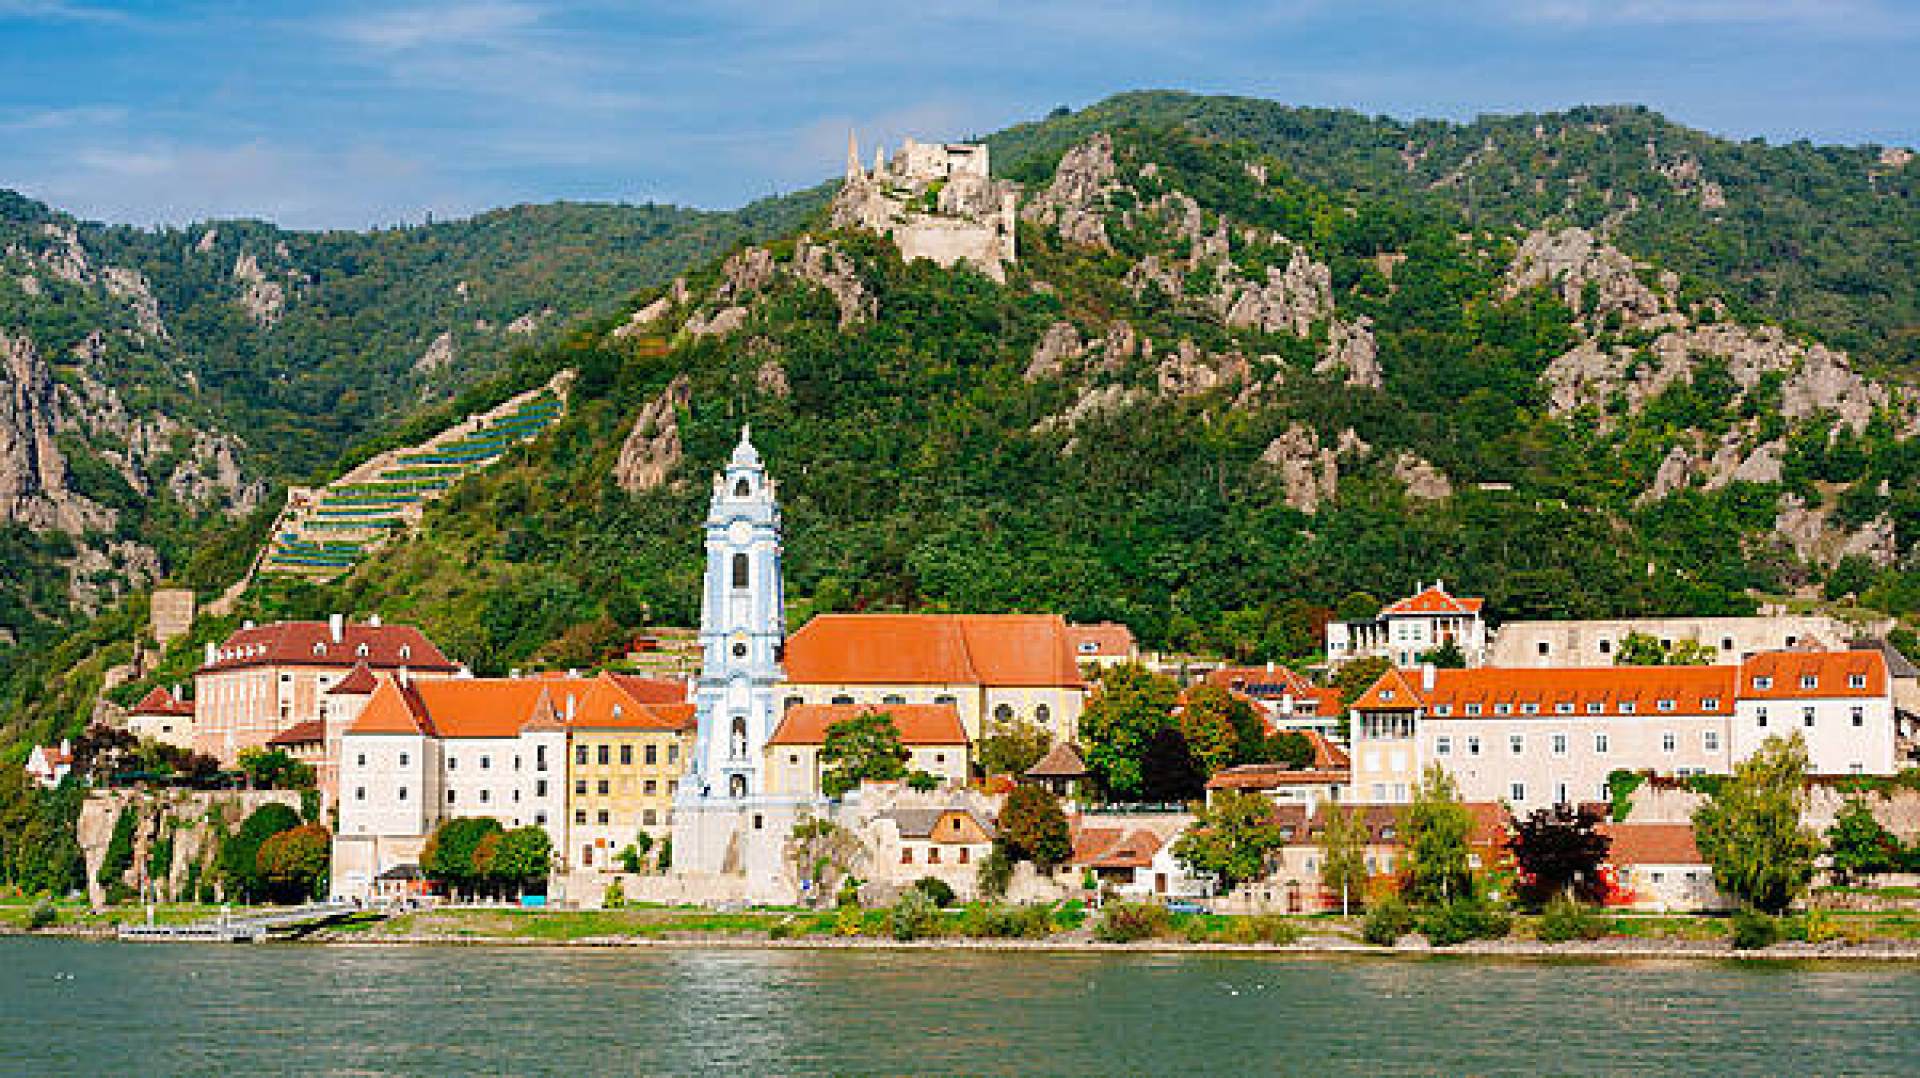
[(324, 533)]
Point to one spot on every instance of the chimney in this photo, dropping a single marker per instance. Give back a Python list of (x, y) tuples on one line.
[(1269, 666), (406, 678), (336, 626), (247, 624), (1426, 677), (373, 620), (213, 654), (570, 707), (176, 692)]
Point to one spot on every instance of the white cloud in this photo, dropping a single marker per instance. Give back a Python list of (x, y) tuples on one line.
[(1818, 13), (487, 23), (56, 10)]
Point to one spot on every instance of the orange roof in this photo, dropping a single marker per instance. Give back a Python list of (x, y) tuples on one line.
[(1261, 682), (301, 733), (358, 682), (1546, 692), (933, 649), (1100, 638), (1652, 844), (1432, 600), (311, 643), (1135, 850), (651, 690), (159, 701), (919, 724), (608, 702), (1326, 754), (1275, 776), (456, 708), (1813, 674)]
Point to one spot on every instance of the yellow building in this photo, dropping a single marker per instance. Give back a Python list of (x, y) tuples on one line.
[(993, 669), (935, 741), (629, 741)]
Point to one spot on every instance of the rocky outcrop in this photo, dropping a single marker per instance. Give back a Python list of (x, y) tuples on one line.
[(652, 313), (829, 267), (529, 323), (1688, 179), (1422, 480), (261, 297), (1351, 348), (1058, 346), (1186, 371), (1308, 474), (652, 450), (745, 275), (1075, 202), (771, 378), (1291, 300), (438, 356), (1095, 401), (718, 324), (1593, 278), (1808, 532), (33, 471)]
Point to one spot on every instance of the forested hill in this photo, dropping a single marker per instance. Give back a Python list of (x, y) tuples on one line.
[(1236, 376)]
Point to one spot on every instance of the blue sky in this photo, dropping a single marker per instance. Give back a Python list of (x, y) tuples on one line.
[(348, 115)]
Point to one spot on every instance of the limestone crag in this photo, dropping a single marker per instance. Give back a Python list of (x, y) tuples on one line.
[(745, 275), (1291, 300), (720, 323), (529, 323), (262, 297), (1593, 278), (1686, 176), (829, 267), (1422, 480), (1309, 473), (1075, 202), (1808, 531), (34, 489), (640, 320), (652, 450), (1058, 346), (1352, 349), (1094, 402), (1186, 371), (438, 356)]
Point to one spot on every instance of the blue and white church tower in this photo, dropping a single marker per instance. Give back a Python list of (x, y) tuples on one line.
[(742, 624)]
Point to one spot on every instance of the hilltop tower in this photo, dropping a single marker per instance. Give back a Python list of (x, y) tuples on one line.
[(742, 625)]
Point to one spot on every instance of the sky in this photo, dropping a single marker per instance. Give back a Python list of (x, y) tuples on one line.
[(318, 115)]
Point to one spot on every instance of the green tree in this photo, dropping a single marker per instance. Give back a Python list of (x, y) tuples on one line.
[(1749, 827), (1211, 723), (1640, 649), (1435, 828), (1230, 838), (1343, 855), (449, 855), (1358, 676), (1034, 828), (293, 863), (1129, 707), (1447, 656), (240, 855), (273, 769), (118, 857), (523, 860), (1858, 845), (1560, 850), (1013, 748), (1357, 606), (865, 748)]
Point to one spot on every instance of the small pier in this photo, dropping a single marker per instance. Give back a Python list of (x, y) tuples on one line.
[(243, 929)]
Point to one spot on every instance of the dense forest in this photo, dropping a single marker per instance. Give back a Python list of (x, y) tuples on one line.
[(1294, 370)]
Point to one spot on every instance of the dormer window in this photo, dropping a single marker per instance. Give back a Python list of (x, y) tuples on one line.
[(1596, 708), (361, 651), (1809, 681), (1503, 709), (319, 649), (1664, 705), (1442, 710), (406, 651), (1710, 703), (1628, 707), (1386, 694), (1856, 681), (1473, 709), (1529, 709), (1763, 683), (1565, 708)]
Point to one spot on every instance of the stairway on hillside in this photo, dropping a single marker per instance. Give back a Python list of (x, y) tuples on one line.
[(323, 533)]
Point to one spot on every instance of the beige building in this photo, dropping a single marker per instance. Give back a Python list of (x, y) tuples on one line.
[(1103, 644), (1597, 643), (932, 734), (629, 740), (264, 679), (163, 717), (993, 669)]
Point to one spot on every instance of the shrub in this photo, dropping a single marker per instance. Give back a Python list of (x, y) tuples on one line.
[(1464, 919), (1751, 930), (848, 922), (783, 929), (996, 872), (43, 915), (914, 916), (1387, 920), (1565, 919), (1196, 930), (935, 889), (1819, 926), (615, 896), (1270, 928), (995, 921), (1129, 922)]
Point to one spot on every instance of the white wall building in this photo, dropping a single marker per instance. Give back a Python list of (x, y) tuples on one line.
[(1409, 628), (1597, 643)]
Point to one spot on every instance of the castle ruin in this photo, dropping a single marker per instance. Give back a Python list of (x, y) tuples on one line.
[(938, 201)]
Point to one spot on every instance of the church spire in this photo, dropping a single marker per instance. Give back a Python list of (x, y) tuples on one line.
[(853, 158)]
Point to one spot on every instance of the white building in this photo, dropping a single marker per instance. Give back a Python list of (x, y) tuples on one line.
[(1407, 629), (1841, 702), (1597, 643), (423, 752)]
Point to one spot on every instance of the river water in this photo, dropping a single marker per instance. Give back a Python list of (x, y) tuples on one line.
[(69, 1007)]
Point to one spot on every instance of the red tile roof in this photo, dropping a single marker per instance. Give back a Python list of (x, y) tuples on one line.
[(652, 690), (310, 732), (1135, 849), (456, 708), (1261, 682), (919, 724), (1274, 777), (1104, 638), (1432, 600), (1652, 844), (360, 681), (161, 702), (1787, 673), (311, 643), (1031, 650), (1394, 691), (1508, 692), (1061, 762), (609, 702)]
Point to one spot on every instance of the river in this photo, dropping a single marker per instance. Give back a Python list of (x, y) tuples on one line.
[(70, 1007)]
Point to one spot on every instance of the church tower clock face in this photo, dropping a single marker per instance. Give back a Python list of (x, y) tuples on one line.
[(740, 533), (738, 645)]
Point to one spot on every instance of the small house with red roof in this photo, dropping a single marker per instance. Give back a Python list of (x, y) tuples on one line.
[(1286, 697), (933, 736), (1409, 628), (1103, 643), (162, 716), (1657, 867), (48, 765)]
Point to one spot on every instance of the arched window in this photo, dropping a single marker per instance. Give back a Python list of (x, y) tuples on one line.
[(1042, 714), (739, 571), (739, 737), (361, 651), (319, 649), (406, 651), (742, 489), (737, 786), (1003, 713)]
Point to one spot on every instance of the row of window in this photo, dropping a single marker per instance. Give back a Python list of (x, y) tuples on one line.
[(604, 754), (933, 855), (1811, 681), (1558, 743), (1856, 715), (1565, 707), (648, 817), (649, 788), (486, 796), (486, 761)]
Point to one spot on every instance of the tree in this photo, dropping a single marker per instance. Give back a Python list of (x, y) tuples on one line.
[(275, 770), (240, 855), (449, 855), (118, 857), (1749, 827), (1358, 676), (523, 859), (1289, 747), (293, 863), (1230, 838), (103, 751), (1034, 828), (822, 855), (1129, 707), (1640, 649), (1859, 845), (1434, 828), (1207, 723), (1447, 656), (1357, 606), (1013, 748), (865, 748), (1343, 854), (1168, 771), (1560, 849)]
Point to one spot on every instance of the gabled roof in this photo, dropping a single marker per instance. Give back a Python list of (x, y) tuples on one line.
[(359, 682), (1547, 692), (1261, 682), (1393, 691), (310, 732), (1898, 665), (1784, 675), (651, 690), (1113, 847), (311, 643), (1652, 844), (1432, 599), (457, 708), (618, 702), (159, 701), (1032, 650), (1061, 762), (921, 823), (1275, 777), (1102, 638), (919, 724)]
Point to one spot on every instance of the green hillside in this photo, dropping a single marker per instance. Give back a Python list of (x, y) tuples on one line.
[(1216, 479)]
